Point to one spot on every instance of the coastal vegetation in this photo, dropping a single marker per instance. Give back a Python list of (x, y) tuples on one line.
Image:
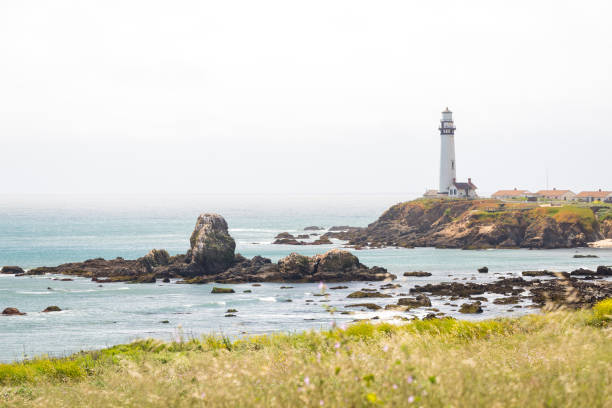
[(483, 223), (560, 358)]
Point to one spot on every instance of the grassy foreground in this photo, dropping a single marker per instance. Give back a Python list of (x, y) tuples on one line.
[(558, 359)]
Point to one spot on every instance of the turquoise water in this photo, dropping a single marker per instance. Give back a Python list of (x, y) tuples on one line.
[(37, 231)]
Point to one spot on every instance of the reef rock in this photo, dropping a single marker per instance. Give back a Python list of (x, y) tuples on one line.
[(16, 270), (418, 301)]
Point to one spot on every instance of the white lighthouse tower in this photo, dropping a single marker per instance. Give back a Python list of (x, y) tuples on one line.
[(448, 172)]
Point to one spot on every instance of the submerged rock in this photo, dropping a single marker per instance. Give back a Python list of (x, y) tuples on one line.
[(370, 306), (362, 294), (12, 311), (417, 273), (545, 273), (470, 308), (418, 301), (507, 300), (284, 235), (52, 309), (484, 269), (222, 290)]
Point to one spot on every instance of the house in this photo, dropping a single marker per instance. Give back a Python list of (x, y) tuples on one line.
[(599, 195), (511, 194), (462, 190), (554, 194)]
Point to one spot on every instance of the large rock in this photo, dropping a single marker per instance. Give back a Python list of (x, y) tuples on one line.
[(212, 247), (16, 270), (156, 257)]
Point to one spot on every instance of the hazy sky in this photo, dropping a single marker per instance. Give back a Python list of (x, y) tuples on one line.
[(313, 96)]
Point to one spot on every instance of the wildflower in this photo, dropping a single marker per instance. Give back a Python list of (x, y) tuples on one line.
[(394, 386), (342, 327), (306, 380), (321, 285), (409, 379), (337, 345), (386, 348), (410, 399), (321, 403), (318, 357)]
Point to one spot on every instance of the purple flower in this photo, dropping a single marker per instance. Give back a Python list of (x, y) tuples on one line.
[(337, 345), (410, 399), (386, 348), (306, 380), (394, 386), (321, 403), (321, 285), (409, 379)]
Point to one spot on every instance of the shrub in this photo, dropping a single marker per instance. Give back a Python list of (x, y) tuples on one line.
[(602, 312)]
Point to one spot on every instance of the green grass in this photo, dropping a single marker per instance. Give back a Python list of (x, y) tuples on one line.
[(560, 358)]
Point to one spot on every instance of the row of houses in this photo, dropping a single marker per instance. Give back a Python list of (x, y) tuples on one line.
[(554, 194)]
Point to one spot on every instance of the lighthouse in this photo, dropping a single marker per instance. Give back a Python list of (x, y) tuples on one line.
[(449, 186), (448, 171)]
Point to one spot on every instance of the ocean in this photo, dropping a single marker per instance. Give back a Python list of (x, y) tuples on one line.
[(49, 230)]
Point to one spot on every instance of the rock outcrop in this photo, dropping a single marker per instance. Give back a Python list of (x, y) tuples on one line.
[(606, 228), (16, 270), (212, 259), (472, 224), (212, 248), (333, 266)]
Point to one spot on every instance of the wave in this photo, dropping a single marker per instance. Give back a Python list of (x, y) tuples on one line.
[(267, 299), (34, 293)]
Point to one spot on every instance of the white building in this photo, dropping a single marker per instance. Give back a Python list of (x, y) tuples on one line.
[(448, 170), (449, 187), (599, 195)]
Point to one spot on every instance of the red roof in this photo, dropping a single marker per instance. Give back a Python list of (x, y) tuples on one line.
[(596, 194)]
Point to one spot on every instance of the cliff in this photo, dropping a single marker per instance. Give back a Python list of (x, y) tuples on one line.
[(474, 224)]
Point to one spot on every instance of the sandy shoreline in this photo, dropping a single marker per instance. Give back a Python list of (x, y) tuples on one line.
[(604, 243)]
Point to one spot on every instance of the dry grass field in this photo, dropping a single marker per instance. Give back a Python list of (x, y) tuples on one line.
[(556, 359)]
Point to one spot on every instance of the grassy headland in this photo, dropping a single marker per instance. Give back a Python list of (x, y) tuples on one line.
[(483, 223), (560, 358)]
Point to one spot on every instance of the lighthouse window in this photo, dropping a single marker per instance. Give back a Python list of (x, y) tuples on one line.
[(453, 164)]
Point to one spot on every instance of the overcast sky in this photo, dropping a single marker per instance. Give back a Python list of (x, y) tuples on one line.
[(313, 96)]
